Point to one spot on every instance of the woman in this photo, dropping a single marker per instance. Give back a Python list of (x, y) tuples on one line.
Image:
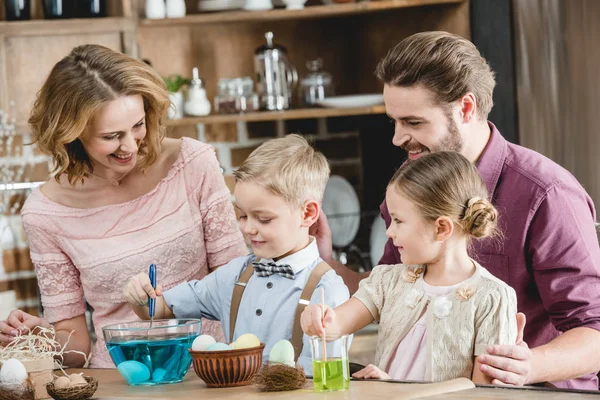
[(122, 197)]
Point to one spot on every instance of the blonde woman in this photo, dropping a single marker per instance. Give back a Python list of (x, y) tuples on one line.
[(440, 309), (123, 196)]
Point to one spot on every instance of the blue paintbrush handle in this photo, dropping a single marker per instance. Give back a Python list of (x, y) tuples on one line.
[(152, 276)]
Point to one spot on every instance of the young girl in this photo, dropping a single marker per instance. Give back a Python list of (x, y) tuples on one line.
[(440, 309)]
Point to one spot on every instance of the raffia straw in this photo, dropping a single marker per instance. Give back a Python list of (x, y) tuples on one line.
[(38, 346), (322, 318)]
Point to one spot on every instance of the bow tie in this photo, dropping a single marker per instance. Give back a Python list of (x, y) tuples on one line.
[(270, 268)]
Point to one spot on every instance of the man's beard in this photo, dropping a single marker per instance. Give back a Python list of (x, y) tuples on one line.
[(451, 141)]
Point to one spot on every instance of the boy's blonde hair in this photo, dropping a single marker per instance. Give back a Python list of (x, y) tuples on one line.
[(445, 183), (288, 167)]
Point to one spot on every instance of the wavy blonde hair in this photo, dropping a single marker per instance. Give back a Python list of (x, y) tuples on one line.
[(288, 167), (77, 87), (445, 183)]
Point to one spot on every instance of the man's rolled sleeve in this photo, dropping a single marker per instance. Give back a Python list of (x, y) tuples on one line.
[(563, 248)]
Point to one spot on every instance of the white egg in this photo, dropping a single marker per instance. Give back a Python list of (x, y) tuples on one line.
[(62, 383), (13, 372), (203, 342), (77, 380), (282, 352)]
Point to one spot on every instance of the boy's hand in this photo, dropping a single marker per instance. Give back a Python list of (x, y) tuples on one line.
[(371, 372), (138, 289), (312, 321)]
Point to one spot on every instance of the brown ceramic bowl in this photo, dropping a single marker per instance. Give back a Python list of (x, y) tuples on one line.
[(227, 368)]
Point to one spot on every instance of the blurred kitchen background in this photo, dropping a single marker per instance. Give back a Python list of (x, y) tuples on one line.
[(215, 56)]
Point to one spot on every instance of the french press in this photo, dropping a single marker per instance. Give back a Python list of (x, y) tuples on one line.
[(275, 76)]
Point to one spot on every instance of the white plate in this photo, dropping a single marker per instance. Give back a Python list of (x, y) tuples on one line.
[(359, 100), (378, 239), (216, 5), (342, 208)]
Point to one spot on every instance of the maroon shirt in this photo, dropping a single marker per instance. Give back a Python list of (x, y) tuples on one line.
[(549, 254)]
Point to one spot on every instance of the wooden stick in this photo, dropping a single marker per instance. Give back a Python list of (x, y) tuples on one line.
[(323, 317)]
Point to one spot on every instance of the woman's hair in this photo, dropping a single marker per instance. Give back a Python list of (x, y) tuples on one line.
[(77, 87), (445, 183)]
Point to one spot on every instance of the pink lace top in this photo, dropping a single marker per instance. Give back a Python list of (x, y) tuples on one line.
[(186, 226)]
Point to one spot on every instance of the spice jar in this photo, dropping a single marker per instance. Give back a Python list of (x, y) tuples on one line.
[(236, 96), (317, 85)]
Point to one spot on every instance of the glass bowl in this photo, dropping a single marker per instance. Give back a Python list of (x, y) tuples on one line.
[(154, 355)]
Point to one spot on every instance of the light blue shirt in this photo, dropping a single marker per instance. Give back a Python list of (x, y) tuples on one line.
[(268, 305)]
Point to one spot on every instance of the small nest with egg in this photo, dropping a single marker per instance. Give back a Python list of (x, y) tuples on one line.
[(275, 377), (17, 392), (80, 392)]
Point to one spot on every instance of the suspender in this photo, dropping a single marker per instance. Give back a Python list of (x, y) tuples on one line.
[(309, 288), (238, 291)]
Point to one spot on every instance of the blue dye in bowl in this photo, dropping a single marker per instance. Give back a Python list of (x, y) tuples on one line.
[(154, 356)]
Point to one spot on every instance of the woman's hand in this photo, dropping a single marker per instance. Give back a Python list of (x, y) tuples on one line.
[(138, 289), (19, 322), (371, 372), (313, 322)]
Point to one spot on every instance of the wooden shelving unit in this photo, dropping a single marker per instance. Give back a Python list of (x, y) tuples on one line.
[(311, 12), (67, 26), (305, 113)]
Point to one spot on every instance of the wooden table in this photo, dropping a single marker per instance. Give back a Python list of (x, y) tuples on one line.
[(113, 387)]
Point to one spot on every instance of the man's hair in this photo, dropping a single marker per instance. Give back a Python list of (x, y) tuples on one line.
[(448, 65)]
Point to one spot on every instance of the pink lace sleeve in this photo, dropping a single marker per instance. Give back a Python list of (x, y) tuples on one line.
[(58, 278), (222, 235)]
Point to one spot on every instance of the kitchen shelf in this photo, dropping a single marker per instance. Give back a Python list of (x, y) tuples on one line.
[(321, 11), (304, 113), (38, 27)]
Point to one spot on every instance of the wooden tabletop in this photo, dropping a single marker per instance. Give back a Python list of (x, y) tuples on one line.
[(113, 387)]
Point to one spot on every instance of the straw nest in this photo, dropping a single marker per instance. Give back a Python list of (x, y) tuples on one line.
[(74, 392), (275, 377), (17, 392)]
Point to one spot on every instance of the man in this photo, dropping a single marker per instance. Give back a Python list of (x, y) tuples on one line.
[(438, 92)]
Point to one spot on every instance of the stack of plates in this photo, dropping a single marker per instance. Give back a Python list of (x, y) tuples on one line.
[(342, 208), (378, 240), (358, 100), (219, 5)]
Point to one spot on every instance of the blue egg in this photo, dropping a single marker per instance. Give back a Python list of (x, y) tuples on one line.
[(158, 374), (218, 347), (134, 372)]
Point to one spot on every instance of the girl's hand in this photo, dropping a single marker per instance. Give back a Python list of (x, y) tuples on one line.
[(371, 372), (312, 322), (19, 322), (138, 289)]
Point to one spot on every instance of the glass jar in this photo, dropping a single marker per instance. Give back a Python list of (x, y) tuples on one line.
[(317, 85), (236, 96), (331, 367)]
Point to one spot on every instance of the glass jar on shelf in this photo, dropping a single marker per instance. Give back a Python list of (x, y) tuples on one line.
[(236, 96), (317, 85)]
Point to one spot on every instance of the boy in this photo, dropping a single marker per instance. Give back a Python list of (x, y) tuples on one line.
[(278, 194)]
